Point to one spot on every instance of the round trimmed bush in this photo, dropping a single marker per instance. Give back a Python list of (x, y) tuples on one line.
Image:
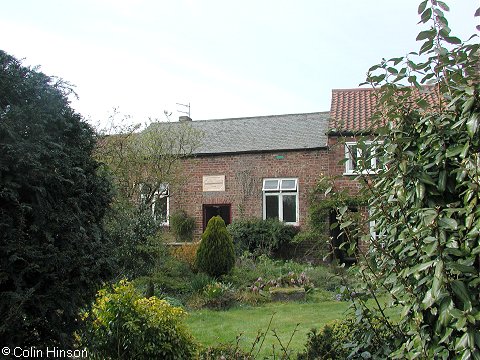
[(215, 255), (124, 325)]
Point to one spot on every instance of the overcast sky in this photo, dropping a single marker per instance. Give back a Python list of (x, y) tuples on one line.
[(226, 58)]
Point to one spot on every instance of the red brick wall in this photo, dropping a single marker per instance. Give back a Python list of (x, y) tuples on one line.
[(244, 174), (336, 153)]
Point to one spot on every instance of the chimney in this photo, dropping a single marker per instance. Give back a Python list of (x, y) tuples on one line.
[(184, 118)]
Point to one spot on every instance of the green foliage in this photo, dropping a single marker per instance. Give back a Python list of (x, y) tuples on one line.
[(317, 243), (215, 295), (348, 339), (328, 343), (136, 235), (186, 253), (215, 255), (216, 289), (249, 269), (172, 276), (224, 351), (52, 201), (260, 236), (124, 325), (327, 199), (199, 281), (288, 280), (182, 225), (247, 297), (329, 277), (425, 201)]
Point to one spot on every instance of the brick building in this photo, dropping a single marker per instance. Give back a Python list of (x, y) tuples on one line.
[(254, 167), (266, 166)]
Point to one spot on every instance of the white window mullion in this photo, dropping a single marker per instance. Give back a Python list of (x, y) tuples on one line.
[(264, 205), (280, 207), (297, 206)]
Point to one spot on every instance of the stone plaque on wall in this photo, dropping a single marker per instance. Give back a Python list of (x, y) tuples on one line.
[(214, 183)]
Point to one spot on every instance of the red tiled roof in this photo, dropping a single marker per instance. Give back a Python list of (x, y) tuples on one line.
[(352, 109)]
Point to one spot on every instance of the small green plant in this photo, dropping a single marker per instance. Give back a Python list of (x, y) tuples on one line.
[(182, 226), (216, 289), (199, 281), (215, 295), (124, 325), (218, 296), (215, 255)]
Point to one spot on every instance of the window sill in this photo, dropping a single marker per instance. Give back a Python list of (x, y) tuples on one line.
[(360, 173)]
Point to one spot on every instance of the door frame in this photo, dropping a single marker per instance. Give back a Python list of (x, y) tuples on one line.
[(204, 213)]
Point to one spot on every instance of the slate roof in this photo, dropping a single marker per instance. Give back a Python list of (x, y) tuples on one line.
[(351, 109), (262, 133)]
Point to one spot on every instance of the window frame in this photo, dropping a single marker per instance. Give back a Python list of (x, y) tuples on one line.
[(163, 191), (280, 193), (161, 194), (349, 168)]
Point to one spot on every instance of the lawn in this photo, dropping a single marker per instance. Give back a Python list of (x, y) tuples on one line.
[(213, 327)]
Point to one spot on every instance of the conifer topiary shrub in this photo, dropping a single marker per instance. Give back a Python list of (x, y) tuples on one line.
[(215, 255)]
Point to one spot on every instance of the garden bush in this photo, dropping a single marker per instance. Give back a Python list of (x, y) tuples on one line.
[(424, 199), (171, 276), (186, 253), (330, 278), (52, 201), (124, 325), (316, 244), (215, 255), (328, 343), (135, 233), (182, 226), (350, 339), (260, 236)]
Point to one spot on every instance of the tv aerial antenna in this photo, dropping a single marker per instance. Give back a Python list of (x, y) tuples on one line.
[(186, 108)]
